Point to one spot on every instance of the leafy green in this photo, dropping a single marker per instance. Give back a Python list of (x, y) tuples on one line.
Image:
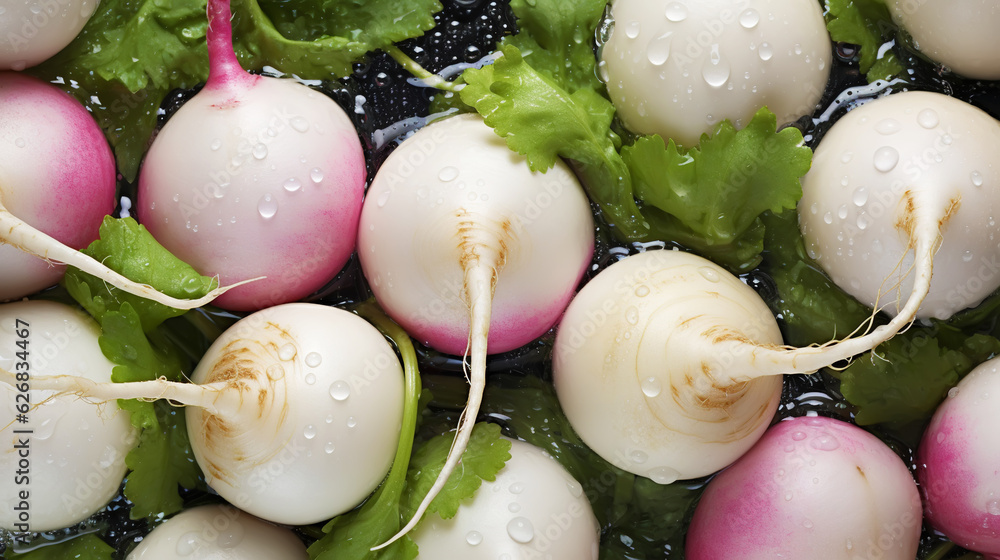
[(128, 248), (485, 455), (868, 24), (352, 535), (713, 194), (912, 373), (133, 337), (133, 52), (84, 547)]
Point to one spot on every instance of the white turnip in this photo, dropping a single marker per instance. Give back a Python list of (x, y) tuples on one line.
[(810, 488), (901, 186), (961, 34), (254, 176), (670, 367), (470, 251), (678, 67), (957, 463), (534, 509), (65, 459), (218, 532), (31, 32), (294, 414)]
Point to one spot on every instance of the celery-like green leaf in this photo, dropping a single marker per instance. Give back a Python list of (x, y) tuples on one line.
[(129, 249), (84, 547), (868, 24), (485, 455)]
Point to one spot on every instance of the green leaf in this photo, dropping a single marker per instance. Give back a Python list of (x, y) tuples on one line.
[(486, 454), (559, 35), (868, 24), (84, 547), (544, 122), (129, 249), (713, 195), (352, 535), (912, 373)]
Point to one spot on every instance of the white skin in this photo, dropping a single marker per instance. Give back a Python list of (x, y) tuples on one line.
[(293, 414), (961, 34), (679, 67), (670, 367), (899, 185), (470, 251)]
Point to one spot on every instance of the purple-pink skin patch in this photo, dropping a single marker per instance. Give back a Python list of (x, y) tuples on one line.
[(949, 485)]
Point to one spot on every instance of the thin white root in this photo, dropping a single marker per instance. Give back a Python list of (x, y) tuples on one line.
[(189, 394), (479, 280), (17, 233), (776, 361)]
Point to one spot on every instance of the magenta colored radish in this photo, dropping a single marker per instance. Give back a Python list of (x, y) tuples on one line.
[(255, 176), (812, 487), (57, 173), (959, 463)]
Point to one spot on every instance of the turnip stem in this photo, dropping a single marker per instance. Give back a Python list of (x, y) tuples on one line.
[(224, 68), (203, 396), (481, 261), (428, 78), (17, 233)]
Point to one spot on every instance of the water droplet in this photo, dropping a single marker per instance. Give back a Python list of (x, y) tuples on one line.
[(267, 207), (977, 178), (314, 359), (885, 159), (642, 290), (799, 436), (842, 212), (716, 69), (888, 127), (448, 174), (309, 432), (602, 71), (300, 124), (383, 198), (824, 442), (928, 118), (517, 488), (749, 18), (474, 538), (352, 422), (310, 379), (514, 507), (788, 497), (520, 530), (828, 218), (863, 222), (953, 392), (575, 488), (20, 143), (967, 256), (676, 12), (293, 184), (632, 315), (287, 352), (940, 437), (807, 524), (947, 139), (329, 447), (846, 157), (632, 30), (316, 175), (709, 273), (259, 151), (659, 49), (340, 390), (329, 419), (651, 387), (638, 457), (663, 475), (765, 52), (187, 544), (275, 372), (860, 197)]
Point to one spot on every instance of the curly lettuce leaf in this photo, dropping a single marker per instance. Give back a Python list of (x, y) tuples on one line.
[(132, 53), (868, 24), (84, 547)]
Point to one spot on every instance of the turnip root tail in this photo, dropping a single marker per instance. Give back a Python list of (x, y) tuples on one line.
[(188, 394), (17, 233), (481, 261), (925, 237)]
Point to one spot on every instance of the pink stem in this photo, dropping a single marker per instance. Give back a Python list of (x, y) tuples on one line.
[(224, 70)]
